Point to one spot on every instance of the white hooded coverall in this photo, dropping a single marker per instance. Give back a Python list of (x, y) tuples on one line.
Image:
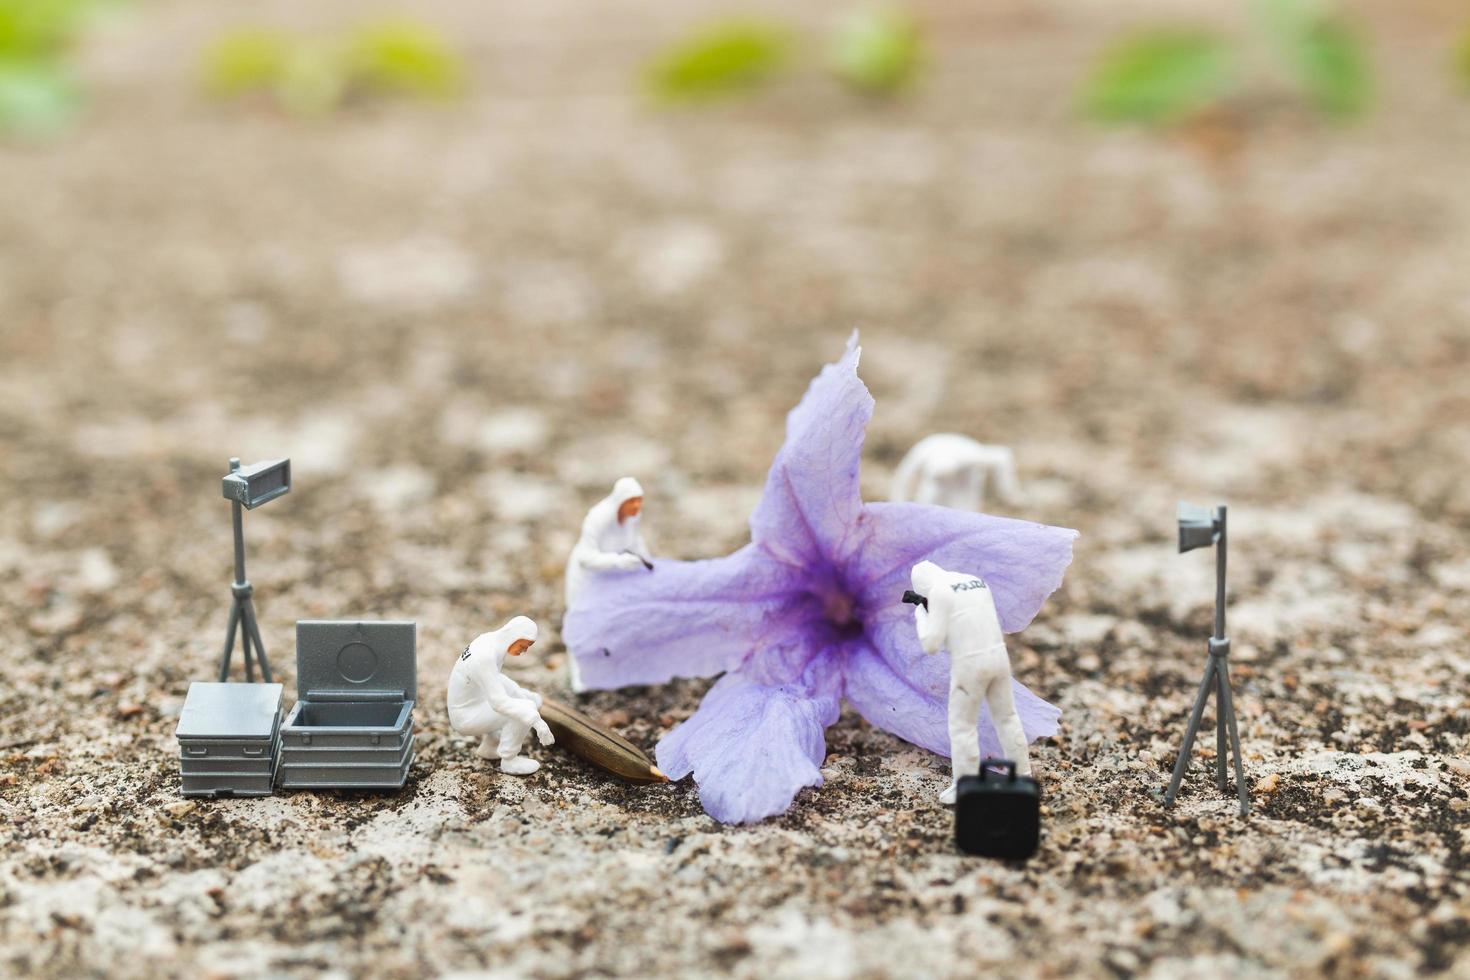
[(606, 545), (484, 702), (961, 618), (953, 471)]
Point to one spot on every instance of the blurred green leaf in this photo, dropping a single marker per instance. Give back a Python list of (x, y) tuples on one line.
[(878, 50), (245, 60), (1332, 66), (37, 98), (404, 56), (722, 59), (1159, 77), (1324, 54), (31, 30), (311, 77)]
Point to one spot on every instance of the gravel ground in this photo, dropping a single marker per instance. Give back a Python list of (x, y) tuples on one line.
[(463, 322)]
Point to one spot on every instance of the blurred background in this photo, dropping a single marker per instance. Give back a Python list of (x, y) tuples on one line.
[(466, 263)]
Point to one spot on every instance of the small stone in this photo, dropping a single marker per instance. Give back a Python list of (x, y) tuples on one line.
[(1268, 783)]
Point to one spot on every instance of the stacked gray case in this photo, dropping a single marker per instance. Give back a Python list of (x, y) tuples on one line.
[(353, 725), (229, 736)]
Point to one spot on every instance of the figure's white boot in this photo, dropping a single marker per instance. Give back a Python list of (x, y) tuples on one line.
[(519, 765), (948, 796), (488, 748)]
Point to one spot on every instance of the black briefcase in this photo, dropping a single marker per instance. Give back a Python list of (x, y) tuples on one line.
[(997, 813)]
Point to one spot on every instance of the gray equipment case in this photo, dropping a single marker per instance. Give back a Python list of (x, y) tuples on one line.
[(229, 736), (352, 727)]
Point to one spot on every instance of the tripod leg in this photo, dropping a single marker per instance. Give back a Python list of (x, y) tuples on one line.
[(224, 659), (249, 664), (1227, 708), (254, 626), (1221, 696), (1189, 733)]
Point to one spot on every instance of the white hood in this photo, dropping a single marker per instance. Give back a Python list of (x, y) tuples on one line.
[(498, 641), (926, 577), (623, 491)]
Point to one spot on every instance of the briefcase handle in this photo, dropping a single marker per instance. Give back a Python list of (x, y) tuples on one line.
[(999, 765)]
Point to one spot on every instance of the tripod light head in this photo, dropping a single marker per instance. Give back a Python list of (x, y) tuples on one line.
[(257, 483), (1199, 527)]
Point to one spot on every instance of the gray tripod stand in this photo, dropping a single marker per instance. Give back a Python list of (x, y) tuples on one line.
[(1198, 528), (249, 487)]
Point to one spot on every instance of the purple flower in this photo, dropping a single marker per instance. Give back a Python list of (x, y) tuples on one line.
[(810, 613)]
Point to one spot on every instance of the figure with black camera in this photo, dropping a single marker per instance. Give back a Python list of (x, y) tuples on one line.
[(955, 611)]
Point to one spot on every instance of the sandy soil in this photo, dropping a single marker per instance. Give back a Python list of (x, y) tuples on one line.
[(462, 323)]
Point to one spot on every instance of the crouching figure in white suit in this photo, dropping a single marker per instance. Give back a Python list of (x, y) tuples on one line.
[(484, 702), (611, 541), (961, 618), (953, 471)]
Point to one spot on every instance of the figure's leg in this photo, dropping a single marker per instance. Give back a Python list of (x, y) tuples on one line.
[(574, 674), (480, 720), (905, 477), (929, 490), (1008, 723), (972, 487), (965, 692), (512, 737), (1007, 487)]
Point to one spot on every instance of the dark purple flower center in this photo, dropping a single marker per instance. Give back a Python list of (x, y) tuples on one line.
[(839, 608)]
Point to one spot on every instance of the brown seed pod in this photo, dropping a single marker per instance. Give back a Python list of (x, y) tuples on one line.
[(598, 744)]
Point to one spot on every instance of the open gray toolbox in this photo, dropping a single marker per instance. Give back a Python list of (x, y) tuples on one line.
[(353, 725), (228, 739)]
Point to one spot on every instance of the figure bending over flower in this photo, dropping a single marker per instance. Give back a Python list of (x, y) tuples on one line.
[(810, 614)]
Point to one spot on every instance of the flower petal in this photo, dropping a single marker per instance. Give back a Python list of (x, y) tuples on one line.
[(909, 707), (751, 747), (811, 503), (683, 619), (1021, 562)]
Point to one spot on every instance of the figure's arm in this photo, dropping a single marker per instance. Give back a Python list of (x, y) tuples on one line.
[(498, 692), (516, 691), (599, 561), (933, 623), (596, 560)]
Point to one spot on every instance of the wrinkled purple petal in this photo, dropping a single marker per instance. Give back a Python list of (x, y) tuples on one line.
[(1020, 561), (683, 619), (901, 705), (809, 511), (916, 713), (751, 747)]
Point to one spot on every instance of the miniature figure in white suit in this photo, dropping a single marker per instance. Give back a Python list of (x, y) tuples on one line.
[(961, 618), (953, 471), (484, 702), (611, 541)]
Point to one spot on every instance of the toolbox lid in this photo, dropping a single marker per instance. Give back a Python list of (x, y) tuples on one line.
[(356, 660), (213, 710)]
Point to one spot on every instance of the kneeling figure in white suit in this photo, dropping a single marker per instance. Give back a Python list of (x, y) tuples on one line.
[(953, 471), (484, 702), (961, 618)]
